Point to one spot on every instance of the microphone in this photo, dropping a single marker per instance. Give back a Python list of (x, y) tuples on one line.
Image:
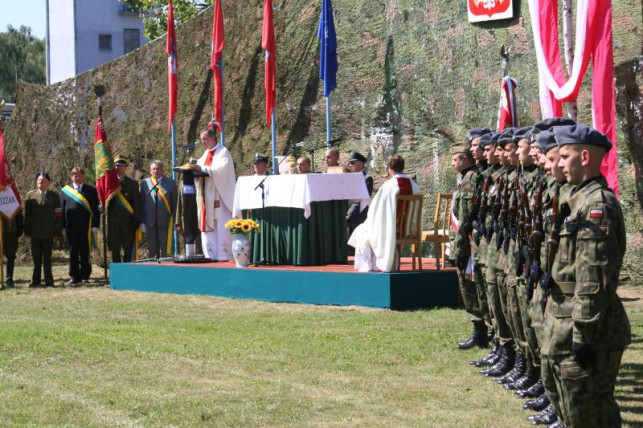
[(191, 145)]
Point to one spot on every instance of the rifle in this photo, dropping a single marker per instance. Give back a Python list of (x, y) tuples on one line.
[(511, 232), (504, 216), (536, 238), (482, 212), (497, 204), (554, 238)]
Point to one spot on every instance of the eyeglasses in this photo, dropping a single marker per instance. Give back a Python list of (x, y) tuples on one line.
[(351, 163)]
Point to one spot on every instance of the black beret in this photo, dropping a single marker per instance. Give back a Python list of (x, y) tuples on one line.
[(354, 155), (546, 140), (259, 158), (476, 132), (506, 137), (485, 140), (581, 134), (551, 122), (521, 133), (494, 138), (42, 174)]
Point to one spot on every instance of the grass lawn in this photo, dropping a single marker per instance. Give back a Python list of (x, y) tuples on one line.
[(90, 356)]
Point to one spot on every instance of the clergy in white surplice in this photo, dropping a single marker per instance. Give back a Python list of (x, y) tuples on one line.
[(374, 240), (215, 197)]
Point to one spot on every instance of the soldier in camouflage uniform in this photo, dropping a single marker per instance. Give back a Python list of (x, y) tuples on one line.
[(474, 137), (495, 278), (123, 215), (586, 329), (464, 207)]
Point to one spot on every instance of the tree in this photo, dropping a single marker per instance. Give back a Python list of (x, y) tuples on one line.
[(22, 56), (154, 13)]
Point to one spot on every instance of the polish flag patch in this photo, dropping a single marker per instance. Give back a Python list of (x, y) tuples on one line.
[(596, 214)]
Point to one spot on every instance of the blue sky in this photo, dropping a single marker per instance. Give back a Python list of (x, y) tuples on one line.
[(30, 13)]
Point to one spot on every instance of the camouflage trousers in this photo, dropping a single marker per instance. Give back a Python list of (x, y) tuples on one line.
[(531, 346), (496, 295), (469, 292), (481, 285), (583, 397), (514, 318)]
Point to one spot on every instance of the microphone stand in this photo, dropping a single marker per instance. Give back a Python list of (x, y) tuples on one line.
[(261, 185)]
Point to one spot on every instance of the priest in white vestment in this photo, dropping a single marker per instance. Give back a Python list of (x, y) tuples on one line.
[(215, 196), (374, 240)]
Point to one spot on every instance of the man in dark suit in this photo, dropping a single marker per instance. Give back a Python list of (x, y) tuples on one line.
[(354, 217), (123, 215), (158, 197), (80, 220), (43, 221)]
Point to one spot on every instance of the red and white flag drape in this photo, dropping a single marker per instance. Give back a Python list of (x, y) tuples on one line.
[(9, 195), (268, 43), (593, 40), (507, 117), (172, 63), (216, 61)]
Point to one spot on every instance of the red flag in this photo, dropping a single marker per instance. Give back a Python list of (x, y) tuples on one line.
[(507, 109), (172, 61), (216, 63), (107, 182), (9, 195), (268, 43)]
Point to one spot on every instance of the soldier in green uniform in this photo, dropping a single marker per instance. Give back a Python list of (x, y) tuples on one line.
[(479, 237), (586, 329), (474, 136), (123, 215), (11, 231), (43, 221), (495, 275), (463, 211)]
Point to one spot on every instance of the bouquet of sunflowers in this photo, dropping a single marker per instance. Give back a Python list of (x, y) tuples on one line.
[(241, 225)]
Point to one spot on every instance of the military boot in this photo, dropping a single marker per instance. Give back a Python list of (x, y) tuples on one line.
[(491, 358), (557, 424), (8, 281), (546, 417), (537, 404), (478, 337), (531, 376), (500, 354), (533, 391), (505, 364), (515, 373)]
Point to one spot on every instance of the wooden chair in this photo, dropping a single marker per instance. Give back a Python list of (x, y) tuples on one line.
[(441, 226), (408, 226)]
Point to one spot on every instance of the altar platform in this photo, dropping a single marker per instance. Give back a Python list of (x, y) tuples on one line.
[(321, 285)]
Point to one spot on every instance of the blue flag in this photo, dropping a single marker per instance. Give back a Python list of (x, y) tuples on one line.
[(327, 48)]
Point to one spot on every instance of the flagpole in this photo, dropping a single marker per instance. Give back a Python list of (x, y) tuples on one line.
[(173, 133), (328, 144), (99, 90), (222, 112), (275, 170)]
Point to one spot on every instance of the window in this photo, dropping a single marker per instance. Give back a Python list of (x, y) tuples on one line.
[(131, 39), (105, 42)]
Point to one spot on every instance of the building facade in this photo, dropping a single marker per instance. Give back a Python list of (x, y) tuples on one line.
[(83, 34)]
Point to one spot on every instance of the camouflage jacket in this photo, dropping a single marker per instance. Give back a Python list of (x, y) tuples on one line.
[(480, 251), (583, 306), (462, 207), (490, 221)]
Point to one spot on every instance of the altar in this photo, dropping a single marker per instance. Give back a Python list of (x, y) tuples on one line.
[(303, 219)]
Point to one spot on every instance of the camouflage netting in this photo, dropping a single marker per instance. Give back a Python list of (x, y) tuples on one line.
[(414, 76)]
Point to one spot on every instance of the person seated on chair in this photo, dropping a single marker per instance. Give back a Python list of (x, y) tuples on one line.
[(303, 165), (355, 217), (374, 240), (260, 164)]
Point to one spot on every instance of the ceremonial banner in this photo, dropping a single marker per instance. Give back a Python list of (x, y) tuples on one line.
[(216, 60), (327, 48), (507, 110), (489, 10), (172, 62), (107, 183), (268, 43), (593, 40), (9, 195)]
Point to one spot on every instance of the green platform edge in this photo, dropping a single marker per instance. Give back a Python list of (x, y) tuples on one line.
[(398, 291)]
